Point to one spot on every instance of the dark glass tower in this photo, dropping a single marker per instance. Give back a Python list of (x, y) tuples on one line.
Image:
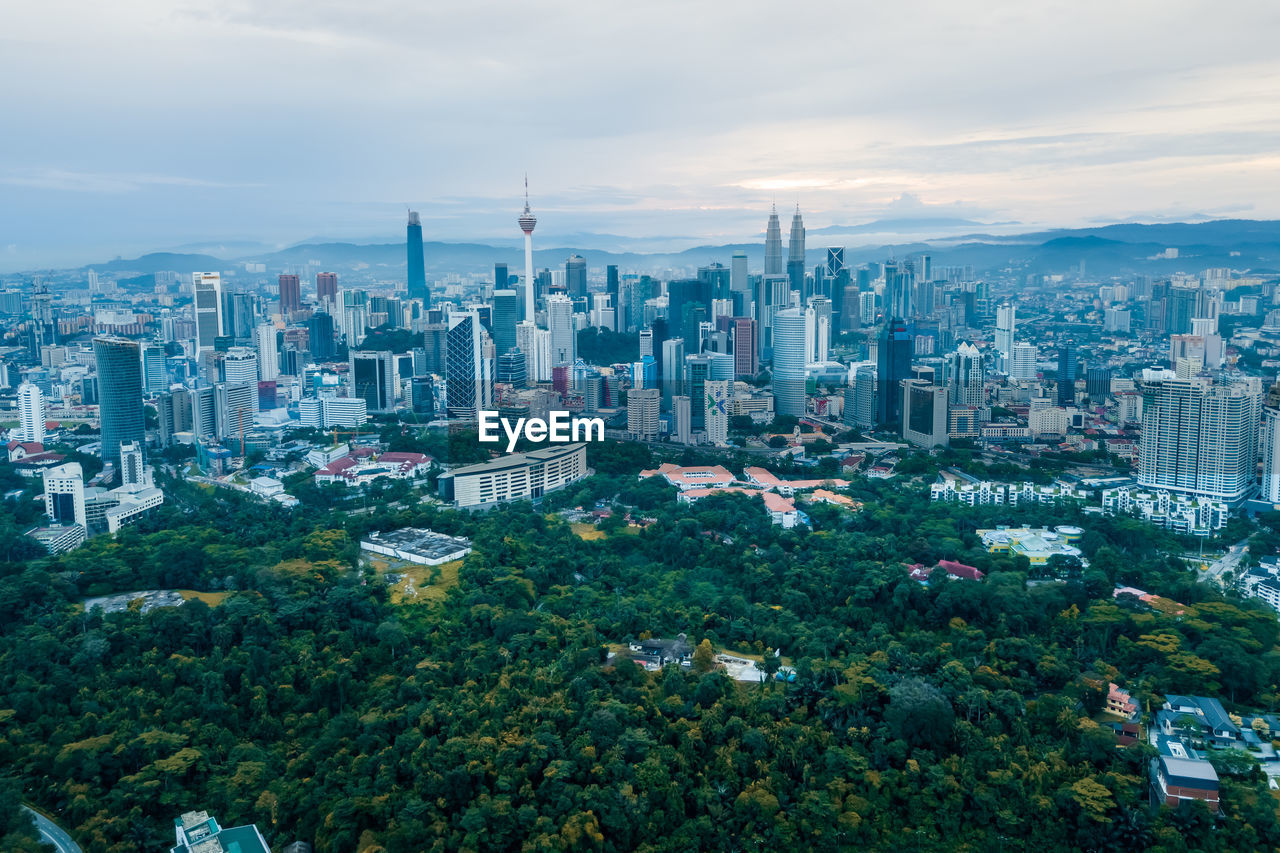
[(119, 365), (1067, 371), (575, 277), (320, 336), (506, 303), (893, 364), (417, 261)]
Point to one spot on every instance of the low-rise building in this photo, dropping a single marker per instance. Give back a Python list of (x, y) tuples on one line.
[(1038, 545), (417, 545), (58, 539), (986, 493), (516, 476), (1175, 781), (358, 470), (1177, 512), (692, 477), (198, 833)]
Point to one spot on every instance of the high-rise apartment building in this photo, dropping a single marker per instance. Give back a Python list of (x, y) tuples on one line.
[(1006, 323), (119, 366), (31, 413), (1199, 437), (327, 286), (290, 294), (744, 347)]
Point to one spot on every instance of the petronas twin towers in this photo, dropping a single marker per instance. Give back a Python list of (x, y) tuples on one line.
[(773, 244)]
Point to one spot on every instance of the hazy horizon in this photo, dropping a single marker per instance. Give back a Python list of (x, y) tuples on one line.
[(151, 126)]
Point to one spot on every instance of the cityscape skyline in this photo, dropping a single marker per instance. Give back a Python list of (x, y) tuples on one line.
[(1069, 123)]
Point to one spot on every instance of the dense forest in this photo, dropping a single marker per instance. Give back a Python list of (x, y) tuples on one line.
[(955, 716)]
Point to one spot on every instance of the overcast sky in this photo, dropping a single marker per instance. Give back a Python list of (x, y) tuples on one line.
[(148, 124)]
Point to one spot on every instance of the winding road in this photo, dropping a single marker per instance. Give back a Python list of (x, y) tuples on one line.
[(51, 833)]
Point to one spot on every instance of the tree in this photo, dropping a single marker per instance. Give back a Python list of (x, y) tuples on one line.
[(704, 657)]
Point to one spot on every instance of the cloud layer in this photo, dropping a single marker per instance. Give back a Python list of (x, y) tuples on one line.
[(149, 124)]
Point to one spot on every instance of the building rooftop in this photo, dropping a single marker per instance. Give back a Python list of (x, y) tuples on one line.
[(419, 540), (516, 460)]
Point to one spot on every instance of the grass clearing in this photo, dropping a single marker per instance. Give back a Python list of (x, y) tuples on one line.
[(419, 584), (213, 599), (587, 532)]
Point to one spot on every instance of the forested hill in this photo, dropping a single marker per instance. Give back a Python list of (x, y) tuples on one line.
[(940, 718)]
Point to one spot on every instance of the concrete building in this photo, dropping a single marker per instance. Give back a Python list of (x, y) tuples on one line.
[(643, 410), (924, 413), (416, 545), (517, 476), (31, 414), (1199, 437)]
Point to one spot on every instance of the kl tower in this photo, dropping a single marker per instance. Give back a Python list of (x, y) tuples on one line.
[(527, 220)]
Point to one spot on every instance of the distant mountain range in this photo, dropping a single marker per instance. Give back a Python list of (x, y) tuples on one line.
[(1105, 250)]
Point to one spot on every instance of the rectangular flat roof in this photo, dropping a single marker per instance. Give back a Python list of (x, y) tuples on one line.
[(516, 460), (419, 541)]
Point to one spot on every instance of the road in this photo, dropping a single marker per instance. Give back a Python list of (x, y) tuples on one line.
[(1228, 561), (51, 833)]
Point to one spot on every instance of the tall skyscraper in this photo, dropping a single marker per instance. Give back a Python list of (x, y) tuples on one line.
[(795, 253), (1270, 452), (671, 368), (899, 282), (506, 305), (501, 278), (773, 296), (744, 347), (1067, 370), (320, 336), (716, 411), (290, 294), (860, 397), (643, 408), (467, 388), (327, 286), (1006, 323), (788, 362), (613, 286), (575, 277), (564, 340), (965, 376), (1198, 437), (681, 419), (373, 379), (773, 245), (1022, 362), (527, 222), (697, 370), (31, 416), (207, 299), (119, 366), (265, 339), (416, 258), (738, 281), (893, 357)]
